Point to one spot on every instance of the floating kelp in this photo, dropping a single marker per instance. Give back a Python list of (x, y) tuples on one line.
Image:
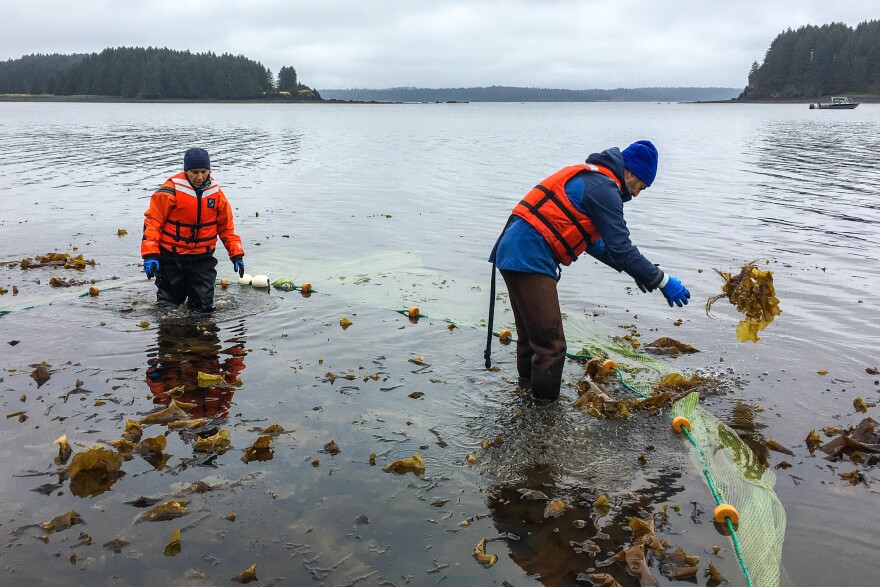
[(133, 431), (169, 510), (188, 424), (173, 547), (602, 505), (414, 464), (481, 556), (41, 374), (753, 294), (677, 384), (209, 379), (61, 282), (260, 450), (713, 575), (151, 446), (64, 260), (778, 447), (554, 508), (669, 347), (813, 440), (172, 413), (332, 448), (597, 371), (62, 522), (863, 440), (273, 430), (64, 450), (248, 575), (94, 471), (123, 446), (219, 443), (861, 406), (680, 565), (645, 542)]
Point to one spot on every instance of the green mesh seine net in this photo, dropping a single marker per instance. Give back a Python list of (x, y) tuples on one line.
[(398, 281)]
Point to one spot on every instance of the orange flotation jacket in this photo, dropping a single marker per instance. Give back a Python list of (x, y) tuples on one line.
[(182, 222), (547, 208)]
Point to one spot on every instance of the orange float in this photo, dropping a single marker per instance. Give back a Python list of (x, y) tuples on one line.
[(680, 422), (724, 511), (609, 365)]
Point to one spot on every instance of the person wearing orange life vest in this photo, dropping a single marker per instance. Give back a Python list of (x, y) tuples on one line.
[(185, 217), (577, 209)]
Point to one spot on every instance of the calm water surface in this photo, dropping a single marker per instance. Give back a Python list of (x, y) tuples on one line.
[(381, 207)]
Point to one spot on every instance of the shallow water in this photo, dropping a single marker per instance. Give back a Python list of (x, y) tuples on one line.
[(382, 207)]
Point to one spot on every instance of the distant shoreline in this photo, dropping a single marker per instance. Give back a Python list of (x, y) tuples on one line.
[(86, 99)]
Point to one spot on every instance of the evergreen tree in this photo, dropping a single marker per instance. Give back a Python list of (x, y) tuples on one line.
[(287, 80)]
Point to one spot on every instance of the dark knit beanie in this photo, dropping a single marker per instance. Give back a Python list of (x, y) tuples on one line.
[(641, 159), (196, 158)]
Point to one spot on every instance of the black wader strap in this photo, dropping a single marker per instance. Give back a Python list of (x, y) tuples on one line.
[(487, 354)]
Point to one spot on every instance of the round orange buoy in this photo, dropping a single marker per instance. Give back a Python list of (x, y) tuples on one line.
[(305, 288), (609, 365), (224, 283), (724, 511), (505, 336), (413, 312), (680, 422), (94, 291)]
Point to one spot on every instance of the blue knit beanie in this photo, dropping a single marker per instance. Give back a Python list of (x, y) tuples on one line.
[(641, 159), (196, 158)]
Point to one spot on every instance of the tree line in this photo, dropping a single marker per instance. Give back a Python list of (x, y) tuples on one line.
[(150, 74), (817, 61)]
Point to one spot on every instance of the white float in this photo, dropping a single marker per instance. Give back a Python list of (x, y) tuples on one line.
[(260, 281), (245, 279)]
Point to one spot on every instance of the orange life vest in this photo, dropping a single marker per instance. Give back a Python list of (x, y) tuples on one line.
[(547, 208), (181, 222)]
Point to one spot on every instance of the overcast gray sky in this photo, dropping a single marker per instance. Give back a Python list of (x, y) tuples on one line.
[(335, 44)]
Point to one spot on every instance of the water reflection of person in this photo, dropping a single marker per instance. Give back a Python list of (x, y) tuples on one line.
[(542, 458), (182, 351)]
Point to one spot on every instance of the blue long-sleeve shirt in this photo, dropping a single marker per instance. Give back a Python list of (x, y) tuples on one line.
[(521, 248)]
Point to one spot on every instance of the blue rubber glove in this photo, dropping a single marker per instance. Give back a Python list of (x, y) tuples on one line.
[(675, 292), (596, 248), (238, 266), (151, 268)]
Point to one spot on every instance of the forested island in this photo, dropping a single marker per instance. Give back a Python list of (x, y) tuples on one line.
[(151, 74), (818, 61)]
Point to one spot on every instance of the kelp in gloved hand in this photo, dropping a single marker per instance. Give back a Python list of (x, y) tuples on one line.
[(753, 294)]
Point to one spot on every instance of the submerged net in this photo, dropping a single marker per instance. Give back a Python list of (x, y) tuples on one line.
[(398, 281)]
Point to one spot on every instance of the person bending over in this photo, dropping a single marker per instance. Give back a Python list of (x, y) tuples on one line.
[(579, 208)]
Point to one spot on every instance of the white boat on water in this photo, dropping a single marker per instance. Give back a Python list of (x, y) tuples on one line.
[(837, 103)]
